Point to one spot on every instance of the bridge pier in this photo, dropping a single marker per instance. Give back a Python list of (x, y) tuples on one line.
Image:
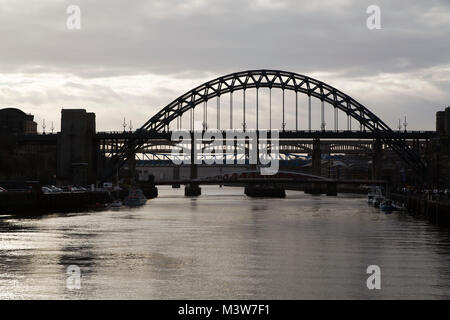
[(193, 189), (331, 189), (264, 191), (316, 163), (148, 188), (377, 160), (176, 176)]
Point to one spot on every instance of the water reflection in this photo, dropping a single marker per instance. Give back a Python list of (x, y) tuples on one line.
[(224, 245)]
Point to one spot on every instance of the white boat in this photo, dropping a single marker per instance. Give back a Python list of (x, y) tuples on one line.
[(374, 196), (370, 198)]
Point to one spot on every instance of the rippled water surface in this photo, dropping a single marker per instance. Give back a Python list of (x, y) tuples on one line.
[(224, 245)]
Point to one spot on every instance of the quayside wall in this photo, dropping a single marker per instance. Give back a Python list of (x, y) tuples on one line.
[(34, 203), (437, 211)]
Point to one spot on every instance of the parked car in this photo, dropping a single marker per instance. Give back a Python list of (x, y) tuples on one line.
[(107, 185), (53, 188), (46, 190)]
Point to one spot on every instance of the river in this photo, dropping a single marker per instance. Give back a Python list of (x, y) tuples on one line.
[(224, 245)]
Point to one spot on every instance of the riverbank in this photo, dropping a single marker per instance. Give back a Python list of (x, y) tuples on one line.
[(420, 205), (34, 203)]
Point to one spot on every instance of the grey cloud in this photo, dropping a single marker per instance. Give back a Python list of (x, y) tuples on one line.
[(195, 40), (170, 37)]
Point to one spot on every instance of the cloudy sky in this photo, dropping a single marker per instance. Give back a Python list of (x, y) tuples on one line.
[(131, 58)]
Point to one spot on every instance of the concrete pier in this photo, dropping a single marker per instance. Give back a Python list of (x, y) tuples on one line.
[(150, 191), (264, 191), (316, 166), (331, 189), (192, 190)]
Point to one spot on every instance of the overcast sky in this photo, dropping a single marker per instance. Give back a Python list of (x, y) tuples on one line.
[(131, 58)]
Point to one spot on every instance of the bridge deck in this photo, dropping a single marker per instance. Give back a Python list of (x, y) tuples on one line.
[(264, 180), (288, 134), (112, 135)]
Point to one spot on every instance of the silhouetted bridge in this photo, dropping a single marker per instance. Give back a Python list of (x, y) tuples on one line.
[(243, 102)]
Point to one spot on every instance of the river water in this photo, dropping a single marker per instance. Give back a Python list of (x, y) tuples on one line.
[(223, 245)]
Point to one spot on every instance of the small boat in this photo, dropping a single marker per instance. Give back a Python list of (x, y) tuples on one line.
[(399, 206), (373, 195), (135, 198), (370, 199), (387, 206), (377, 201)]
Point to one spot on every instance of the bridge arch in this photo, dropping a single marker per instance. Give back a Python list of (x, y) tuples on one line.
[(263, 78)]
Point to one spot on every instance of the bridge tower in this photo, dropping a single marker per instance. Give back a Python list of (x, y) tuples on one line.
[(76, 147), (193, 189), (316, 166), (176, 175), (377, 159)]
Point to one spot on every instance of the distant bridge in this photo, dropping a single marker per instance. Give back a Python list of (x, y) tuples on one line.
[(354, 130), (254, 177), (223, 88)]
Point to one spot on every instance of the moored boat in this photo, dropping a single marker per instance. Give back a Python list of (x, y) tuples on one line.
[(377, 201), (374, 194), (387, 206)]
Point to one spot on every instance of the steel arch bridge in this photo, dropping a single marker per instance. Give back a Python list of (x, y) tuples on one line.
[(256, 79)]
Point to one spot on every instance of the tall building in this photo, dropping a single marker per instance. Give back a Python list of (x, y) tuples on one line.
[(16, 122), (76, 147), (439, 159)]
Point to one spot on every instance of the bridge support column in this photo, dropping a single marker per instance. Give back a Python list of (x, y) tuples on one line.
[(316, 165), (149, 188), (331, 189), (193, 189), (129, 173), (194, 174), (377, 160), (264, 191), (253, 166), (176, 176)]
